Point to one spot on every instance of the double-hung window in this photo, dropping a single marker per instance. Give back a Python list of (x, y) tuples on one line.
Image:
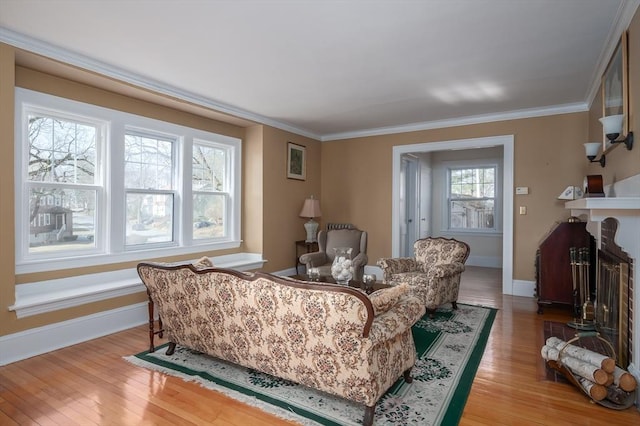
[(471, 201), (97, 185)]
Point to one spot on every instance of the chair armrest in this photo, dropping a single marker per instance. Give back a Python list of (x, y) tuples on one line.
[(317, 258), (400, 317), (447, 270), (360, 260), (396, 265)]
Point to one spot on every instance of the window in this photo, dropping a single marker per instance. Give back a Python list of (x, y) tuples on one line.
[(61, 182), (98, 185), (149, 186), (471, 198)]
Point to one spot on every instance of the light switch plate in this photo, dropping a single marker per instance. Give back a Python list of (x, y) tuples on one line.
[(522, 190)]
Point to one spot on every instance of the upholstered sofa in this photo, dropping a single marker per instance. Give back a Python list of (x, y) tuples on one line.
[(329, 337), (433, 274)]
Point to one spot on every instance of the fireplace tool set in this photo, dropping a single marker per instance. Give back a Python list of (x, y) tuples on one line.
[(584, 312)]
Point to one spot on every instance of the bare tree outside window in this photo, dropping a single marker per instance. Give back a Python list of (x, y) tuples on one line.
[(62, 163), (209, 186)]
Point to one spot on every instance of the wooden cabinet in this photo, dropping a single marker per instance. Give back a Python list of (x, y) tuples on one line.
[(554, 281)]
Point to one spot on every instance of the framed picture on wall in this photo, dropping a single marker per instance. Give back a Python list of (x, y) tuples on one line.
[(615, 89), (296, 161)]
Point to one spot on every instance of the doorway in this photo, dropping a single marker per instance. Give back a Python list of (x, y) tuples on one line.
[(507, 193), (409, 203)]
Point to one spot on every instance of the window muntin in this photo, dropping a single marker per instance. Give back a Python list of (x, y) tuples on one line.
[(471, 201), (102, 219)]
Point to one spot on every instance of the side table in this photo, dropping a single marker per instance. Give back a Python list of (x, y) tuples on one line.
[(307, 247)]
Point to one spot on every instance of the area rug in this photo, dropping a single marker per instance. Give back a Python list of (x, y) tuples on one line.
[(449, 348)]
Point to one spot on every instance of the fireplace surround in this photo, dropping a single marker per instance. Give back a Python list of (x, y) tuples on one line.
[(622, 203)]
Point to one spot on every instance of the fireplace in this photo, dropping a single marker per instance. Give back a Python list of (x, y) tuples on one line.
[(614, 293), (619, 258)]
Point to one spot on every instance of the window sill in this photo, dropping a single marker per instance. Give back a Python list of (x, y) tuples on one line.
[(52, 295)]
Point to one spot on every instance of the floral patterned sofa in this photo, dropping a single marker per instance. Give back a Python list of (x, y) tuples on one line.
[(329, 337), (434, 273)]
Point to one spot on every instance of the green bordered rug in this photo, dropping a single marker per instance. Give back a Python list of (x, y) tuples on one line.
[(449, 348)]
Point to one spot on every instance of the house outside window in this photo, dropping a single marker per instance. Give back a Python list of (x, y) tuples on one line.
[(98, 185), (471, 199)]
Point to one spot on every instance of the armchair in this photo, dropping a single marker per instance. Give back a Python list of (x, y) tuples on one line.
[(333, 238), (434, 273)]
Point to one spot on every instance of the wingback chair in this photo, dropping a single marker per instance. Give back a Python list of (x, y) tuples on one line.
[(334, 238), (434, 273)]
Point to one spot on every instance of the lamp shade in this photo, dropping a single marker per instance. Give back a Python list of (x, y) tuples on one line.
[(592, 149), (311, 208), (612, 125)]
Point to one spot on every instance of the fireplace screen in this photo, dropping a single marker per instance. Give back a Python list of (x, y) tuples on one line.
[(612, 304)]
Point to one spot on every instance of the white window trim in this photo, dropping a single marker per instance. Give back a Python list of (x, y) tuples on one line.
[(112, 249), (471, 164)]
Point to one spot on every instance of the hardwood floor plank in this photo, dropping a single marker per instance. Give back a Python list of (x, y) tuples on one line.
[(91, 383)]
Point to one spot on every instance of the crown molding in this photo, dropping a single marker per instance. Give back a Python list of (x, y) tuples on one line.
[(462, 121), (81, 61)]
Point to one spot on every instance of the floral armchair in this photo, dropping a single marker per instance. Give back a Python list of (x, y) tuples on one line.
[(434, 273), (334, 238)]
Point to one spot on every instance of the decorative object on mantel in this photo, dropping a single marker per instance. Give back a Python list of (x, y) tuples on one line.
[(593, 186), (311, 209), (571, 193)]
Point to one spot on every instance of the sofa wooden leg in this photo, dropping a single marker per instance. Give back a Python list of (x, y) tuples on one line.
[(171, 349), (368, 415), (454, 305), (431, 312), (407, 376)]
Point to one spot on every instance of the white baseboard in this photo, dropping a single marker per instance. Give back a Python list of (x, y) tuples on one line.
[(37, 341), (523, 288), (484, 261)]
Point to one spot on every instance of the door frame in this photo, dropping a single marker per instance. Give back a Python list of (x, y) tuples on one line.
[(506, 141)]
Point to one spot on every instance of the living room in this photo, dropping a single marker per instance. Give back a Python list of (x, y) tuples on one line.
[(547, 155)]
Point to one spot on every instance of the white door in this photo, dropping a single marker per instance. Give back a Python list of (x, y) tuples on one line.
[(409, 204)]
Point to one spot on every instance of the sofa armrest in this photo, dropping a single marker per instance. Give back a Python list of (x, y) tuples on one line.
[(399, 318), (396, 265), (317, 258), (447, 270)]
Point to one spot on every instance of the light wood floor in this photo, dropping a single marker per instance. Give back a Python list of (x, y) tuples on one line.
[(90, 383)]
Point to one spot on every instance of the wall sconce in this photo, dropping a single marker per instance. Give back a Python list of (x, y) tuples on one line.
[(592, 149), (612, 125)]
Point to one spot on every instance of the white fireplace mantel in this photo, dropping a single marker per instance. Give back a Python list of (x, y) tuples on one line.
[(627, 212)]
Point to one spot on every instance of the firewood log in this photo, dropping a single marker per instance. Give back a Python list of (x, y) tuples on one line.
[(604, 362), (579, 367), (624, 380), (595, 391)]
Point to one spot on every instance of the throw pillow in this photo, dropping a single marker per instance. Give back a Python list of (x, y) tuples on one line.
[(385, 299), (203, 262)]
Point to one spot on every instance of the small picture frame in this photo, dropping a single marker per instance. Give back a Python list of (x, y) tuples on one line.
[(296, 161)]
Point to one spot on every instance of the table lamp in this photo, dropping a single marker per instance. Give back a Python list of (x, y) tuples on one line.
[(311, 209)]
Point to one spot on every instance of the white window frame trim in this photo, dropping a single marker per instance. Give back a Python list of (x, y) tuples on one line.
[(113, 248), (472, 164)]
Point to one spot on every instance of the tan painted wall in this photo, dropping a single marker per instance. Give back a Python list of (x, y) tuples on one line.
[(548, 156), (283, 198)]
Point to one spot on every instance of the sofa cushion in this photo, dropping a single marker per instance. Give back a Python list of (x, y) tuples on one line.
[(385, 299), (203, 262)]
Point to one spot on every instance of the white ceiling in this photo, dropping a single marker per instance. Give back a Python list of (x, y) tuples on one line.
[(332, 69)]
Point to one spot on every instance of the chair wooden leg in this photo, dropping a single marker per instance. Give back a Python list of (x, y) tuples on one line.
[(171, 349), (368, 415), (407, 376), (454, 304)]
